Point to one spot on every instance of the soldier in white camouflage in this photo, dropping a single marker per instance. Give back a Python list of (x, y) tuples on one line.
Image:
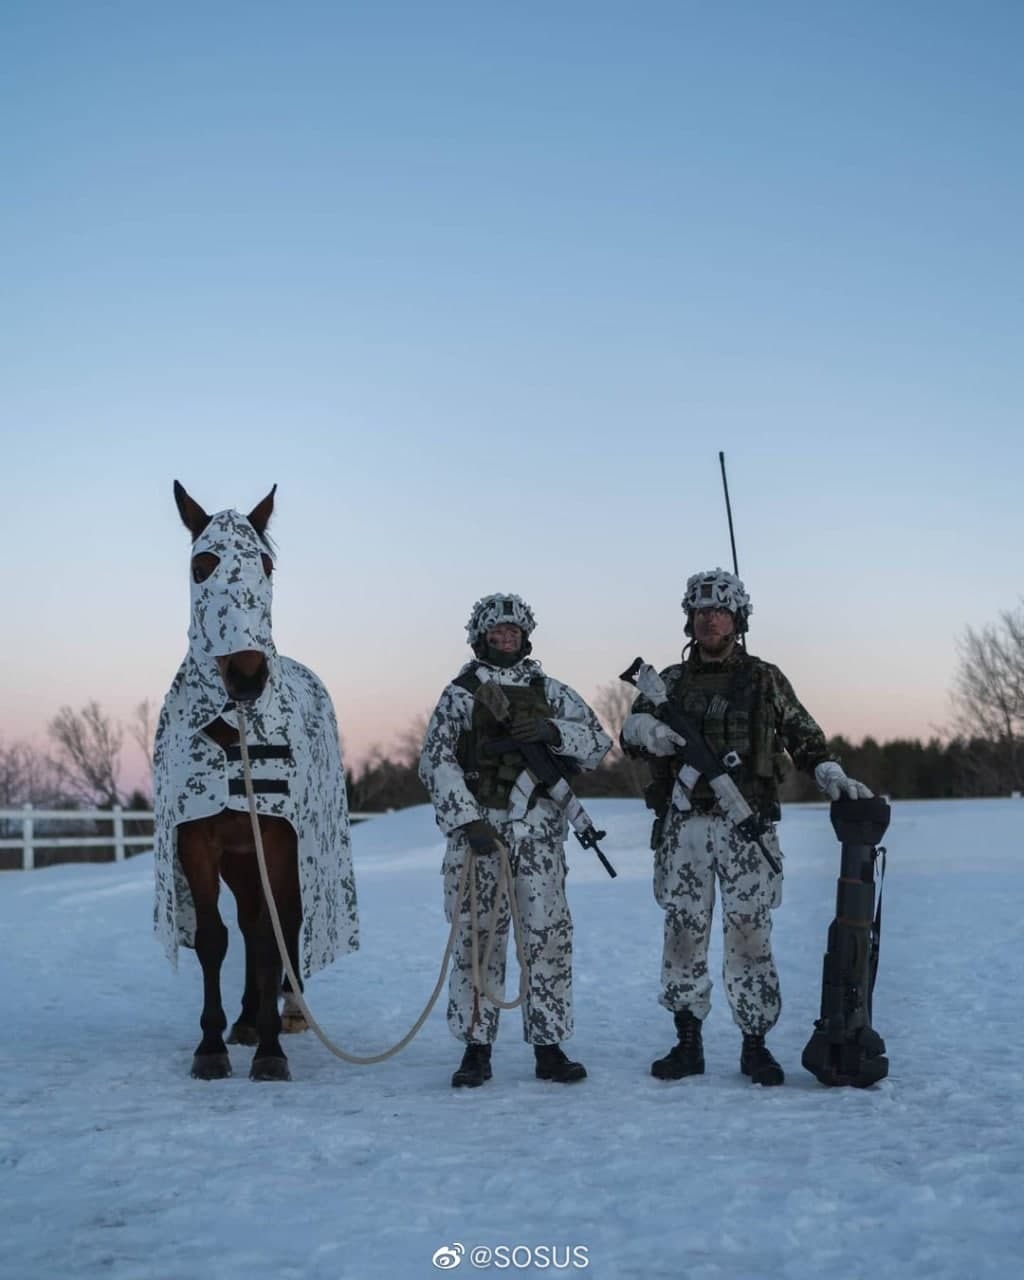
[(481, 798), (745, 705)]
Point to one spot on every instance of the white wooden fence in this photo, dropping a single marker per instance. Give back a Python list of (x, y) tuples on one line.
[(32, 838)]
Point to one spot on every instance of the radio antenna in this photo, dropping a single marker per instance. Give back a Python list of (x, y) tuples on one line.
[(728, 510)]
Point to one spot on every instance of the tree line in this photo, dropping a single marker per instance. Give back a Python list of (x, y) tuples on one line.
[(981, 752)]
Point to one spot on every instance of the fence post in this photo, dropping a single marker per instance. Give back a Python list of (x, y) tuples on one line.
[(28, 853), (118, 833)]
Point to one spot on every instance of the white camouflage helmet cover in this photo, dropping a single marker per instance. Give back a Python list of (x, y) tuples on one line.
[(497, 608), (717, 589)]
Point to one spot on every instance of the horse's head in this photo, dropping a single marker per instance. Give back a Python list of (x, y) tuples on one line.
[(231, 592)]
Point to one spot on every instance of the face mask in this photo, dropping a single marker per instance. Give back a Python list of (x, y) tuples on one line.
[(230, 609)]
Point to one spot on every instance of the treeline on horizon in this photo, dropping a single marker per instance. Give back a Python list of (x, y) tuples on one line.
[(902, 769), (981, 753)]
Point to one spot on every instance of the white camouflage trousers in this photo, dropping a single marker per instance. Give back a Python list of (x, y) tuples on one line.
[(537, 855), (695, 849)]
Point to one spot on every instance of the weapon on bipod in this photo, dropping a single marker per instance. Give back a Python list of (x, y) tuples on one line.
[(700, 759), (544, 769), (844, 1048)]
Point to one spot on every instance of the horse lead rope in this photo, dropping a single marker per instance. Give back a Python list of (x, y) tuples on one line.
[(504, 882)]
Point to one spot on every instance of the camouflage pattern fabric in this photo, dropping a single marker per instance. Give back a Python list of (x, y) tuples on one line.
[(693, 851), (536, 850), (192, 774), (797, 729), (539, 871), (695, 848)]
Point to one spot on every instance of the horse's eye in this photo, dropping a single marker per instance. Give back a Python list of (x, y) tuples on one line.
[(268, 564), (203, 565)]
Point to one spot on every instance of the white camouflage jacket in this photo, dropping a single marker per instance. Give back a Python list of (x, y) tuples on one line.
[(582, 738)]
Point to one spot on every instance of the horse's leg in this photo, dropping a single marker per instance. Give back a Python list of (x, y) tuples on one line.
[(198, 853), (293, 1019), (280, 850), (237, 871)]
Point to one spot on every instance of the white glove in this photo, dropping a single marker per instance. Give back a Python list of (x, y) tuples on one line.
[(651, 735), (833, 781)]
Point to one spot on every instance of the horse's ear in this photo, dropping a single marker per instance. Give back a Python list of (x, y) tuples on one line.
[(259, 516), (193, 517)]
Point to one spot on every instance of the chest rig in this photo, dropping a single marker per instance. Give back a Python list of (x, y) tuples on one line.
[(490, 777), (731, 706)]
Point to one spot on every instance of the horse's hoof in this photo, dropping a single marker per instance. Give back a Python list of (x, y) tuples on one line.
[(293, 1023), (269, 1069), (243, 1033), (211, 1066)]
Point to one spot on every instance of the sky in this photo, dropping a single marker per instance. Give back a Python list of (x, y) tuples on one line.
[(484, 288), (115, 1165)]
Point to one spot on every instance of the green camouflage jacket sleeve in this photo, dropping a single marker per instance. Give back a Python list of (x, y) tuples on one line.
[(800, 733)]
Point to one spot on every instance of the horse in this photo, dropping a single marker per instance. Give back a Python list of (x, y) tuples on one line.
[(203, 832)]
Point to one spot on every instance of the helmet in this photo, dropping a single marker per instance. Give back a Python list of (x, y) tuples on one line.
[(492, 610), (717, 589)]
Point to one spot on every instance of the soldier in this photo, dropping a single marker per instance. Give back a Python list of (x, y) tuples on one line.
[(481, 798), (742, 704)]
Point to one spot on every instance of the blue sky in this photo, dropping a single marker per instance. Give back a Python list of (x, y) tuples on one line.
[(484, 288)]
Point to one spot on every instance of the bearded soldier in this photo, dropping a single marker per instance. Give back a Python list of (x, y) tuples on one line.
[(745, 708), (483, 796)]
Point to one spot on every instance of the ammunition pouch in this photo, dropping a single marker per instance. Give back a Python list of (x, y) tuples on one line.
[(657, 795), (490, 760)]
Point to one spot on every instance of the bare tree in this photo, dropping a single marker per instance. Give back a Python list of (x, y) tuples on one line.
[(12, 775), (27, 777), (613, 703), (142, 729), (88, 746), (409, 743), (988, 688)]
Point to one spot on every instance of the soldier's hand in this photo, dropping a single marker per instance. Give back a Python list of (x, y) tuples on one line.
[(481, 835), (538, 730), (833, 781), (663, 741), (647, 733)]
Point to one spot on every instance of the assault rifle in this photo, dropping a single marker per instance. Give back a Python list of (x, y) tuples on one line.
[(543, 769), (700, 759)]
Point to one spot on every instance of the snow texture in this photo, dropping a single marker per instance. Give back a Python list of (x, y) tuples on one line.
[(115, 1164)]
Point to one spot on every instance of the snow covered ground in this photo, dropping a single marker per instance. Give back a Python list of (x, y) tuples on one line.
[(114, 1163)]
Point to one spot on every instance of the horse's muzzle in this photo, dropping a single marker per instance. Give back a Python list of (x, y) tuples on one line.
[(245, 674)]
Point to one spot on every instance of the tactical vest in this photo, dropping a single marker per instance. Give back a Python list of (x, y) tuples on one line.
[(490, 778), (732, 708)]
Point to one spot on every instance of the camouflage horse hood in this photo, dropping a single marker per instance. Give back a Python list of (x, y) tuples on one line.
[(293, 744)]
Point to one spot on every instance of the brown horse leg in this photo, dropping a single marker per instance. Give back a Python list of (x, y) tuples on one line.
[(269, 1062), (242, 878), (198, 854), (293, 1020)]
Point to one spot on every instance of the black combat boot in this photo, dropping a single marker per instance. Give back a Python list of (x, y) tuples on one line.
[(757, 1062), (474, 1068), (552, 1064), (687, 1057)]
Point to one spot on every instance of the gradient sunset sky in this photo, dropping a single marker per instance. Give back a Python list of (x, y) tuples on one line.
[(484, 288)]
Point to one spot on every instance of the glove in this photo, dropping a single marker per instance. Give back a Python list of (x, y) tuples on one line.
[(833, 781), (536, 731), (481, 835), (648, 733), (662, 741)]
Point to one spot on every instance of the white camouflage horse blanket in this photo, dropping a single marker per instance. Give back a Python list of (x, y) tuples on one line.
[(293, 744)]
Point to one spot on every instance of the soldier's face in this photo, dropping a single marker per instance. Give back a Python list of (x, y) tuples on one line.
[(505, 637), (714, 630)]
